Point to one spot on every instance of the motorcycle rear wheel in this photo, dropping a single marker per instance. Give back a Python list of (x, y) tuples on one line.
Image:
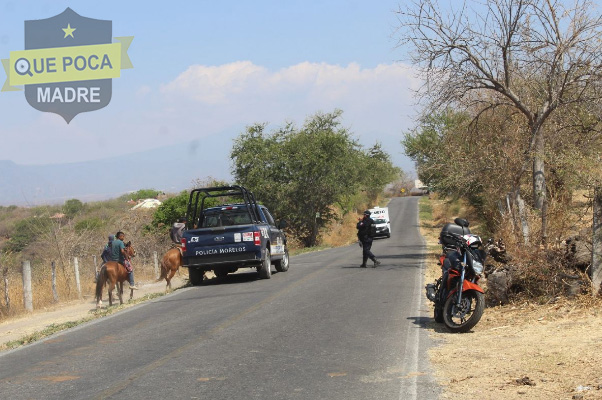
[(464, 317)]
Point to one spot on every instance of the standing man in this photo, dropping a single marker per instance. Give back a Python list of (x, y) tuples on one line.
[(118, 254), (177, 231), (365, 234)]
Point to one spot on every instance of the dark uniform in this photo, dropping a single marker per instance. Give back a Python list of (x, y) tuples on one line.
[(365, 234)]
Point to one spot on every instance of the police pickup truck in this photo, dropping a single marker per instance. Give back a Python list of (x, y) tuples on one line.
[(223, 236)]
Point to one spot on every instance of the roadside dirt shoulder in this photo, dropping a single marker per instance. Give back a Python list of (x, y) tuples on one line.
[(19, 328), (519, 351), (523, 352)]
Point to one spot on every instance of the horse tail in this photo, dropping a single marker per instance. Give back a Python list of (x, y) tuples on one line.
[(163, 269), (100, 282)]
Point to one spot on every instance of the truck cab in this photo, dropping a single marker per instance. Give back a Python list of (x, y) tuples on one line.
[(225, 237)]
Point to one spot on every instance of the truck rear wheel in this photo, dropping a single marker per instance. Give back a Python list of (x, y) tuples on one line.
[(282, 264), (220, 273), (265, 271), (195, 276)]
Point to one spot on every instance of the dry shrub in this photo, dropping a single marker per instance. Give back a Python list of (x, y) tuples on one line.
[(445, 211), (62, 244), (543, 275), (543, 272), (341, 232)]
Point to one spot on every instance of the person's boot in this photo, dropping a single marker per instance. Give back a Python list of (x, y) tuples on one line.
[(133, 287), (376, 263), (363, 265)]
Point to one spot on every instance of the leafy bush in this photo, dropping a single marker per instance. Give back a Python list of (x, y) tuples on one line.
[(73, 207), (89, 224), (26, 231), (141, 194), (171, 209)]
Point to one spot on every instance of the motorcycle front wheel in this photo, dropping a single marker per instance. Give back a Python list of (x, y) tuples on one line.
[(438, 314), (463, 317)]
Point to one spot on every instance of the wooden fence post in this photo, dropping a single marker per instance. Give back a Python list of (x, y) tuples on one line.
[(95, 268), (55, 294), (76, 269), (156, 260), (6, 296), (27, 294)]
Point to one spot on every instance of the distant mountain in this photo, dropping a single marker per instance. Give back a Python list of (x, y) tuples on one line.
[(170, 169)]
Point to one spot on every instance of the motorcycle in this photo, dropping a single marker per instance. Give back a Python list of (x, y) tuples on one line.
[(459, 300)]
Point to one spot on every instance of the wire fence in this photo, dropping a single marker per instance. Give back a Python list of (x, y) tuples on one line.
[(38, 285)]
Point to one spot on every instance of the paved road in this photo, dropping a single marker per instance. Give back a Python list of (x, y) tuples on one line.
[(325, 329)]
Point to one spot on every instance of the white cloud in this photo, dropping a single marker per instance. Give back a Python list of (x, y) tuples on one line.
[(377, 102), (220, 100), (216, 85), (231, 83)]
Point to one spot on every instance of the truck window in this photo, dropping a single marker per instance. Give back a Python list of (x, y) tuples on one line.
[(268, 216), (217, 218)]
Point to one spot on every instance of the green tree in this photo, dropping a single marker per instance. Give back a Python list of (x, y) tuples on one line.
[(171, 209), (301, 173), (433, 146), (73, 207), (377, 171), (26, 231), (141, 194), (175, 207)]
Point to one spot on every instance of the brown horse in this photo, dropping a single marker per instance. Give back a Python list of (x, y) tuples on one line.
[(114, 274), (171, 261)]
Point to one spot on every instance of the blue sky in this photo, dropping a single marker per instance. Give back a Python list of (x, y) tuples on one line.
[(204, 68)]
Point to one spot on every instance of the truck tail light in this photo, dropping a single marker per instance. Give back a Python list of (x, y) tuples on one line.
[(183, 241), (256, 239)]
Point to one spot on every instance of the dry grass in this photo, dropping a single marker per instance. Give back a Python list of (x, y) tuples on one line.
[(524, 350), (342, 232), (66, 285)]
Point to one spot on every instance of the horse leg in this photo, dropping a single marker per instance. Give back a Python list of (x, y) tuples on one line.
[(99, 300), (120, 292), (169, 277), (111, 286), (131, 294), (101, 280)]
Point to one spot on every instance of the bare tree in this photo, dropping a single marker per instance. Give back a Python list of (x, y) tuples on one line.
[(536, 57)]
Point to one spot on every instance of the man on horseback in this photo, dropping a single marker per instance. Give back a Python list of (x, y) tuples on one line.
[(106, 252), (119, 255), (177, 230)]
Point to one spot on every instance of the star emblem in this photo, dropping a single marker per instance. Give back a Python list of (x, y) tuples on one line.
[(68, 31)]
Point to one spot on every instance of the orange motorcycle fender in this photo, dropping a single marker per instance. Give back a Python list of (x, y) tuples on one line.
[(468, 285)]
